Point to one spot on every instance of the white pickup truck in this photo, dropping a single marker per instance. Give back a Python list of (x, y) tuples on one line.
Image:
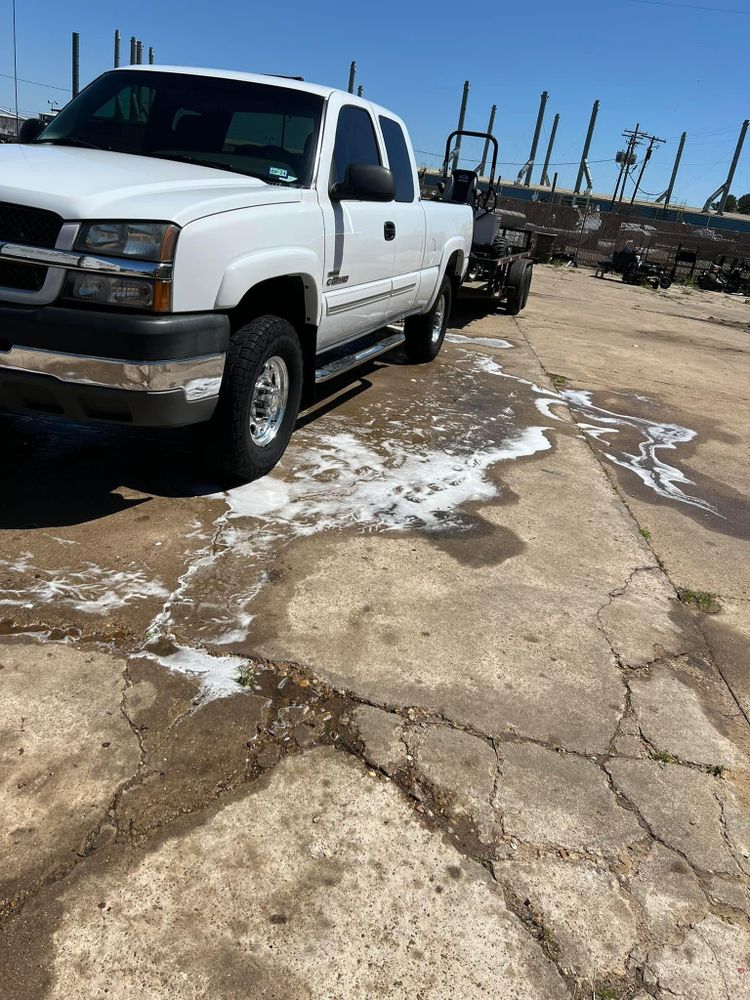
[(186, 245)]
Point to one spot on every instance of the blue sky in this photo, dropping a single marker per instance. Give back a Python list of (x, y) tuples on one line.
[(671, 68)]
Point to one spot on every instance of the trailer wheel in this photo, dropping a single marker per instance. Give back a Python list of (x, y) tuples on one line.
[(425, 333), (518, 284), (259, 398), (665, 282)]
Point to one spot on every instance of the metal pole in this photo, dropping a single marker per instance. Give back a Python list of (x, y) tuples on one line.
[(675, 168), (733, 166), (151, 55), (15, 68), (587, 146), (76, 64), (535, 140), (545, 176), (132, 50), (552, 198), (117, 49), (139, 52), (359, 90), (485, 151), (352, 75), (461, 120)]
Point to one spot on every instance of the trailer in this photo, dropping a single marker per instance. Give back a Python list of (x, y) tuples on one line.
[(500, 266)]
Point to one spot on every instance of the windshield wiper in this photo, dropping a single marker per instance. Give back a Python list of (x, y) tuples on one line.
[(70, 141), (187, 158)]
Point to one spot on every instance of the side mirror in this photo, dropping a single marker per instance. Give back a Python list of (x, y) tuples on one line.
[(364, 182), (30, 129)]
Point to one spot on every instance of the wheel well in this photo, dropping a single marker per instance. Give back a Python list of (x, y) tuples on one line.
[(453, 269), (285, 297)]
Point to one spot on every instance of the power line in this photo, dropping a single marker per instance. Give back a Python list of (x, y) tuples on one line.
[(35, 83), (690, 6)]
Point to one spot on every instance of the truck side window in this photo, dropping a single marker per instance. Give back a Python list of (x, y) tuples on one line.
[(355, 142), (398, 157)]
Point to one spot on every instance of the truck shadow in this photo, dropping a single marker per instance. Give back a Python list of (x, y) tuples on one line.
[(59, 473)]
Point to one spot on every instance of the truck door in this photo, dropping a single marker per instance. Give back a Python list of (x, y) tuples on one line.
[(358, 250), (407, 217)]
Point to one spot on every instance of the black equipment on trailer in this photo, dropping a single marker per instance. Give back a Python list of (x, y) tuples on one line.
[(500, 264), (635, 269)]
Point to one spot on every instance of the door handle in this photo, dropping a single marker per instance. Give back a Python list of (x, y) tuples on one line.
[(389, 230)]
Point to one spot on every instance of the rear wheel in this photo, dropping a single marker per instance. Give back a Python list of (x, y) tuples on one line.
[(425, 334), (260, 397), (518, 285)]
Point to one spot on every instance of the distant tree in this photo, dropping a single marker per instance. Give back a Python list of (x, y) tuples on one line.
[(743, 204), (731, 205)]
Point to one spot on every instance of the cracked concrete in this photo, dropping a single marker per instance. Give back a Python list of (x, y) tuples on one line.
[(540, 784)]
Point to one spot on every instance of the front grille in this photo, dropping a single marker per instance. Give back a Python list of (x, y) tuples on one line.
[(23, 277), (31, 226)]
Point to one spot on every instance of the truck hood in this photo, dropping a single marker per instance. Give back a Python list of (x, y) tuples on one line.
[(98, 184)]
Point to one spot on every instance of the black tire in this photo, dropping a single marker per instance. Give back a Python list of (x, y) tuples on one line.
[(518, 284), (423, 342), (665, 282), (254, 352)]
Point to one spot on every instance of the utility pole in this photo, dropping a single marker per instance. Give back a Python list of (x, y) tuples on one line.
[(535, 141), (652, 140), (461, 120), (625, 162), (352, 75), (75, 81), (117, 49), (583, 168), (545, 176), (485, 151)]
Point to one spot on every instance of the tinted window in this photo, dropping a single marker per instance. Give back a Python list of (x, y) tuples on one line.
[(398, 157), (355, 142), (250, 128)]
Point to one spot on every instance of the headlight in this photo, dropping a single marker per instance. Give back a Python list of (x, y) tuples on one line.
[(138, 293), (143, 240)]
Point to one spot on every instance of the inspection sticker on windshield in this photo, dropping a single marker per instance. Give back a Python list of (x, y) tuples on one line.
[(278, 172)]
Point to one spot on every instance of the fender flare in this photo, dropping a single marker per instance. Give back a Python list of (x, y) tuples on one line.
[(244, 272), (456, 244)]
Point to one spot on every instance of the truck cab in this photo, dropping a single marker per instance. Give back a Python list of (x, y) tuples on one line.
[(182, 245)]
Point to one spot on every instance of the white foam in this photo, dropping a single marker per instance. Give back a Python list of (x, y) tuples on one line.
[(217, 674), (91, 590), (459, 338)]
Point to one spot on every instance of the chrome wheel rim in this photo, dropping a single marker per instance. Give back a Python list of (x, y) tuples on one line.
[(438, 318), (268, 405)]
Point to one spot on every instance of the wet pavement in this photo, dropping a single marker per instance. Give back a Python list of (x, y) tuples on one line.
[(430, 711)]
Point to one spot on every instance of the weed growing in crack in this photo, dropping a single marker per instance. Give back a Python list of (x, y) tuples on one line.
[(645, 533), (663, 757), (700, 599), (559, 381), (246, 675), (716, 770)]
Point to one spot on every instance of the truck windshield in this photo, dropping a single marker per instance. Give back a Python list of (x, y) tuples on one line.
[(249, 128)]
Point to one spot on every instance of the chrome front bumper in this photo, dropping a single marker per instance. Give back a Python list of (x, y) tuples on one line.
[(198, 378)]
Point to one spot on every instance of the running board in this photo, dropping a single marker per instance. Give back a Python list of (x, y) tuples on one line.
[(349, 361)]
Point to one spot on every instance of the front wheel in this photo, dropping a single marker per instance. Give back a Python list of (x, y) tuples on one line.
[(259, 399), (425, 334)]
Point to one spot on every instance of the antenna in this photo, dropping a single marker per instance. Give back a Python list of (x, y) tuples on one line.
[(15, 65)]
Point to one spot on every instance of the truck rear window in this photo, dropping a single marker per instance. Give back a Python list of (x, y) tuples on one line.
[(249, 128)]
